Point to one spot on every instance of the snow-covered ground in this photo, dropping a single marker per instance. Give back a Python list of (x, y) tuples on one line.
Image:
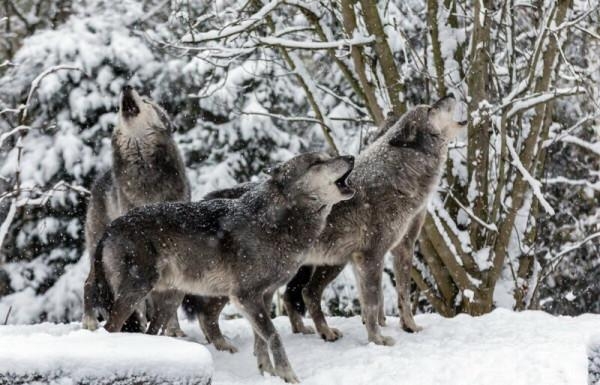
[(500, 348), (66, 355)]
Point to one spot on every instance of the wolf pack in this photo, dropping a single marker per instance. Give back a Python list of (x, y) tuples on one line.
[(153, 250)]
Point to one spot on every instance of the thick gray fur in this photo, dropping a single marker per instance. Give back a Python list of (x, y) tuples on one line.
[(394, 178), (147, 168), (241, 248)]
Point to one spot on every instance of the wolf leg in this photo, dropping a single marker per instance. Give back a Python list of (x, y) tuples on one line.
[(293, 302), (254, 310), (208, 318), (380, 310), (165, 304), (90, 295), (261, 349), (173, 329), (403, 255), (380, 303), (312, 293), (369, 270), (122, 308)]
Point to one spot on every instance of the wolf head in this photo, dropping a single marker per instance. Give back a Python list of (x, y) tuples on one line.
[(139, 115), (426, 126), (315, 178)]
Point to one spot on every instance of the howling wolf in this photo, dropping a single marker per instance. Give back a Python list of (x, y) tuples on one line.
[(241, 248), (147, 168), (394, 179)]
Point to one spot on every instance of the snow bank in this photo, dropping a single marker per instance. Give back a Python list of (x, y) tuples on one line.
[(65, 354), (496, 349)]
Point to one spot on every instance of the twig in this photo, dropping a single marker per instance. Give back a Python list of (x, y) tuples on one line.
[(7, 315)]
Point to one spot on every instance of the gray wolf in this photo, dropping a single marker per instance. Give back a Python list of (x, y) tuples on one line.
[(393, 178), (146, 168), (242, 248)]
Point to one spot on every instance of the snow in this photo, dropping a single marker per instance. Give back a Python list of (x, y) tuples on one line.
[(500, 348), (357, 40), (65, 353)]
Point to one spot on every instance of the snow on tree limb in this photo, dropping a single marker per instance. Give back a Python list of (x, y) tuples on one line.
[(241, 26), (7, 221), (566, 250), (12, 132), (36, 83), (530, 101), (317, 45), (573, 182), (533, 183), (593, 147)]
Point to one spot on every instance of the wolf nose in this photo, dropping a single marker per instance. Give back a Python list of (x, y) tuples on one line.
[(127, 88)]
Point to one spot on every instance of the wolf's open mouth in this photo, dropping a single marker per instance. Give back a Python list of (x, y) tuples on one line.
[(129, 107), (342, 183)]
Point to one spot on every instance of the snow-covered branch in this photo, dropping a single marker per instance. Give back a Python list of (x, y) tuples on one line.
[(237, 28), (533, 183), (573, 182), (38, 79), (316, 45), (12, 132), (531, 101), (593, 147)]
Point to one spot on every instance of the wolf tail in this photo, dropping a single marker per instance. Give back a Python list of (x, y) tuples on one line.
[(103, 298)]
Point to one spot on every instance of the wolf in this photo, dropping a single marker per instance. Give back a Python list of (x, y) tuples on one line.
[(243, 248), (207, 309), (146, 168), (394, 178)]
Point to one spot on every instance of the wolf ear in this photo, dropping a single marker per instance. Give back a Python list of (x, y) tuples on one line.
[(405, 136), (275, 171), (444, 104)]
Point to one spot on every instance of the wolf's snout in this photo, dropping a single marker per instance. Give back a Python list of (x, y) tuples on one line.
[(129, 107)]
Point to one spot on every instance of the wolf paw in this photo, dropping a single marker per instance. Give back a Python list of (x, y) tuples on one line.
[(330, 334), (174, 333), (265, 366), (225, 346), (410, 326), (304, 329), (381, 321), (414, 328), (289, 376), (383, 340), (90, 323)]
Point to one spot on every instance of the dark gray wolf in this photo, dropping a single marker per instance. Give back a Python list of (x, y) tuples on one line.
[(394, 178), (147, 168), (241, 248)]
